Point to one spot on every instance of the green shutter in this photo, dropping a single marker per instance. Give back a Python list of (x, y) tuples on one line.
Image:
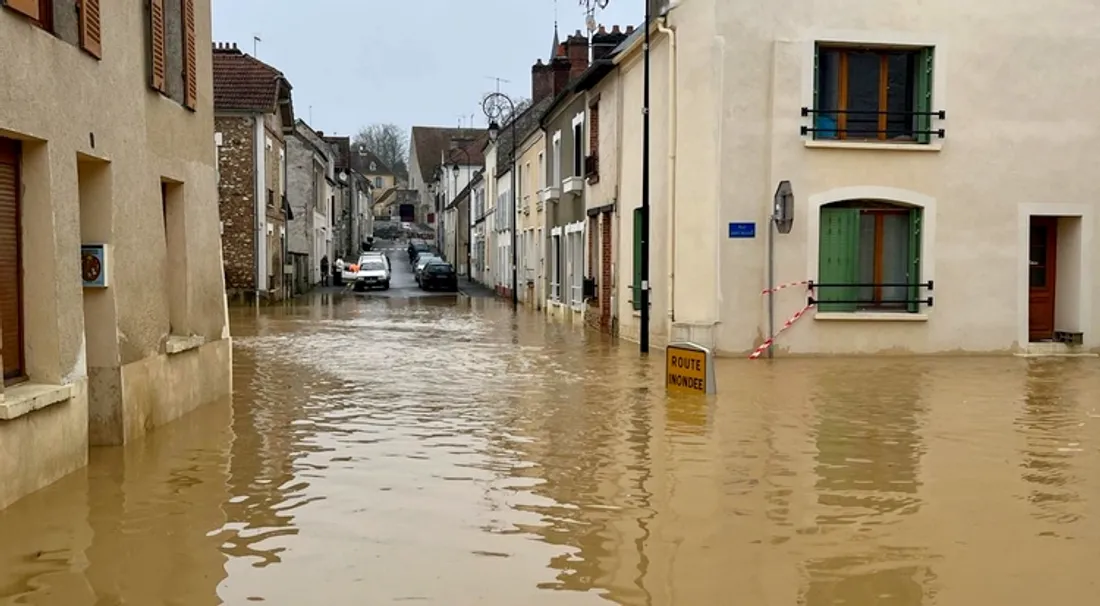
[(838, 260), (923, 90), (814, 122), (637, 286), (915, 231)]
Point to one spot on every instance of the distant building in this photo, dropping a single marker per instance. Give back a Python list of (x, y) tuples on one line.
[(311, 181)]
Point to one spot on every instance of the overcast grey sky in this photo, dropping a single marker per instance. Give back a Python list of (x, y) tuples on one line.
[(424, 62)]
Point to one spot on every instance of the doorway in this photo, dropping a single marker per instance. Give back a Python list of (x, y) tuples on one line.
[(1042, 264)]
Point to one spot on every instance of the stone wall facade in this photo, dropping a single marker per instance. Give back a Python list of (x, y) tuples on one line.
[(237, 191)]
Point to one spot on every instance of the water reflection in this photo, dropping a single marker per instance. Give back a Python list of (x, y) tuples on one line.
[(133, 528), (869, 453), (1051, 425), (445, 451)]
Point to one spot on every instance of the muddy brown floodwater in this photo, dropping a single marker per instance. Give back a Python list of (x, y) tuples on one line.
[(438, 451)]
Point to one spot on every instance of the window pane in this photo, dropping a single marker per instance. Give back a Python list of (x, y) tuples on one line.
[(895, 256), (828, 93), (863, 94), (900, 95), (866, 257)]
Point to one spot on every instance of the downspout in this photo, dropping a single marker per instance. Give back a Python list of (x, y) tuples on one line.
[(671, 33)]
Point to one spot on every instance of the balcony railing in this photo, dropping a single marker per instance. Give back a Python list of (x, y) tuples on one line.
[(876, 301), (872, 125)]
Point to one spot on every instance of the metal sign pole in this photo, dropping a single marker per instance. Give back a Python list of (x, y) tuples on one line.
[(771, 281)]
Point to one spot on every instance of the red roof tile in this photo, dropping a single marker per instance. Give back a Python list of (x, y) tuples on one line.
[(244, 83)]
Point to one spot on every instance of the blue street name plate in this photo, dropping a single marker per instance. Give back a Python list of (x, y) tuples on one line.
[(742, 230)]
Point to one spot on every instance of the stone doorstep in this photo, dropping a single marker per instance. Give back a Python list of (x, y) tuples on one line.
[(24, 398)]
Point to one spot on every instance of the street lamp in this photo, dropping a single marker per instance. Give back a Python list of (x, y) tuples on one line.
[(456, 169), (497, 106)]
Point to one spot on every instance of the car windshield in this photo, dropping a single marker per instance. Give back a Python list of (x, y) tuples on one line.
[(440, 268), (372, 265), (425, 259)]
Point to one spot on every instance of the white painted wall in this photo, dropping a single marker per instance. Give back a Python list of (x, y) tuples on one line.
[(1017, 145)]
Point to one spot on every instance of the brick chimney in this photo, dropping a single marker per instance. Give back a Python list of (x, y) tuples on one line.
[(542, 81), (604, 42), (561, 69), (577, 52)]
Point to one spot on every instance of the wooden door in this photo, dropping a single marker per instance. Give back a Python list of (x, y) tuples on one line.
[(11, 291), (1042, 262)]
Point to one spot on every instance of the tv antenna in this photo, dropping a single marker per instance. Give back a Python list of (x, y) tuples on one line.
[(498, 81)]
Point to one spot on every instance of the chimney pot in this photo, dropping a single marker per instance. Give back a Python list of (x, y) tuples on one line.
[(615, 30), (602, 30)]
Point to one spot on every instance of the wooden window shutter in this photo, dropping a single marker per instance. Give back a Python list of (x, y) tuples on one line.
[(190, 69), (838, 261), (157, 40), (90, 28), (915, 231), (923, 91), (11, 322), (27, 7)]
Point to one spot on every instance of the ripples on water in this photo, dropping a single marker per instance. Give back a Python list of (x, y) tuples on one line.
[(445, 452)]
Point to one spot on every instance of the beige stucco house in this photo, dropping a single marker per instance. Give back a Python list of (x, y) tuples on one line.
[(532, 218), (111, 295), (933, 212)]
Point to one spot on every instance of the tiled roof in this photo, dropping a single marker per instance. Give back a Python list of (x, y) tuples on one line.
[(432, 142), (244, 83), (362, 159)]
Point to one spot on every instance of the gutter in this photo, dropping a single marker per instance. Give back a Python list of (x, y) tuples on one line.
[(662, 26)]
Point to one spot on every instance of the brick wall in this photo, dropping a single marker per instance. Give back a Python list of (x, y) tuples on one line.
[(605, 272), (236, 190)]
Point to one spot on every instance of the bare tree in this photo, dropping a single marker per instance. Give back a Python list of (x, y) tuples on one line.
[(390, 143)]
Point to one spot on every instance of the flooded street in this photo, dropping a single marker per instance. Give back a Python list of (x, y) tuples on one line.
[(436, 450)]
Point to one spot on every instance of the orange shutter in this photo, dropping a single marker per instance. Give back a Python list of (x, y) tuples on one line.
[(156, 16), (90, 34), (190, 70), (27, 7), (11, 312)]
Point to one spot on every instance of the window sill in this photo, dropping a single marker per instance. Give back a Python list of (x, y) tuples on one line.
[(26, 398), (177, 344), (914, 147), (869, 316)]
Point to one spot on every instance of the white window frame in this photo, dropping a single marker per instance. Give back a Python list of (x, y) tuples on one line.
[(578, 145), (555, 161), (555, 260), (575, 234)]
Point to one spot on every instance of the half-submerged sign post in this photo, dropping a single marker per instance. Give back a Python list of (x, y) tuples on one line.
[(689, 367)]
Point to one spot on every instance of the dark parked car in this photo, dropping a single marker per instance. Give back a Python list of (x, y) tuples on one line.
[(439, 275), (415, 248)]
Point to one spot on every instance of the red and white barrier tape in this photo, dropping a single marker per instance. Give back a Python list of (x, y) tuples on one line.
[(782, 286), (790, 322)]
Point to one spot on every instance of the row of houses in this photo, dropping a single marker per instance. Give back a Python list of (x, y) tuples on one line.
[(935, 206), (290, 196), (113, 314)]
